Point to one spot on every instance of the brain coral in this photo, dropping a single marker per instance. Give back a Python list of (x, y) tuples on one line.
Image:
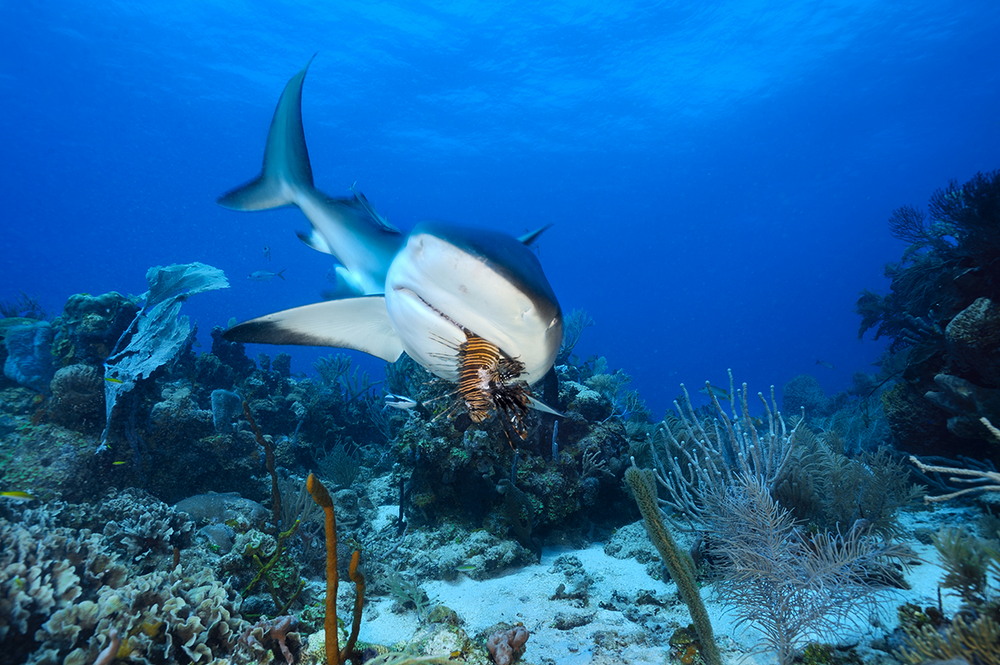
[(78, 398)]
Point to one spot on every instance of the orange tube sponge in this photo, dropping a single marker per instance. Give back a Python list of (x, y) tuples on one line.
[(359, 602), (322, 497)]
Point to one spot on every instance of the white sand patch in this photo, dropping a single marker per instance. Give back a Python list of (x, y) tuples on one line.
[(525, 596), (613, 631)]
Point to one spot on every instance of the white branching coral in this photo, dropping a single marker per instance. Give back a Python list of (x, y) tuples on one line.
[(979, 480), (697, 458)]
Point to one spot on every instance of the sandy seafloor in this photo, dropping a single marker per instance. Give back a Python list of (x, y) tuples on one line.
[(606, 636)]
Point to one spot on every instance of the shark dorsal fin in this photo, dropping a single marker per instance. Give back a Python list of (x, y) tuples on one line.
[(532, 236)]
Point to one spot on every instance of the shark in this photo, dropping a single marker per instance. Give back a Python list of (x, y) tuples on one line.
[(472, 306)]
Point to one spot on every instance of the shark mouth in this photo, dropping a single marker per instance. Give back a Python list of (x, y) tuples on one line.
[(416, 296)]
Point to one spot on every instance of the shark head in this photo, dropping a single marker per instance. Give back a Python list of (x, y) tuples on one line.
[(449, 282), (426, 293)]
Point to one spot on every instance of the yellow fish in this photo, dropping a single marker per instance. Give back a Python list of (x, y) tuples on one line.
[(17, 496), (111, 379)]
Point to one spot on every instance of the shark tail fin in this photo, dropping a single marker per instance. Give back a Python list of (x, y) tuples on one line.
[(286, 168)]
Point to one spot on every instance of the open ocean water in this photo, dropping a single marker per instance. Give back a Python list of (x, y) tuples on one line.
[(718, 175)]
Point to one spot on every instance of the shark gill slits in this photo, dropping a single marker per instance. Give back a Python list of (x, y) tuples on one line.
[(488, 381)]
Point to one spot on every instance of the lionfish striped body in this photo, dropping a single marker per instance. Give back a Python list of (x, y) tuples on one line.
[(489, 381)]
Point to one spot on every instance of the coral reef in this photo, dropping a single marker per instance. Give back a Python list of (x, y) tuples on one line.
[(235, 571), (69, 592), (562, 479), (77, 400), (90, 326), (940, 317), (146, 531), (29, 355), (51, 461)]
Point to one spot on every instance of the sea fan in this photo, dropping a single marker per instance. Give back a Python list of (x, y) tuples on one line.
[(789, 584)]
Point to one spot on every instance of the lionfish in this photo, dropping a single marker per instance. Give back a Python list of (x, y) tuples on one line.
[(488, 381)]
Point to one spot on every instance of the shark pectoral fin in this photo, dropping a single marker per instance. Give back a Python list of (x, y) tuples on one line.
[(539, 405), (315, 240), (361, 324)]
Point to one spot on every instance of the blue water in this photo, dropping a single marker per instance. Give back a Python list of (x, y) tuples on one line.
[(718, 174)]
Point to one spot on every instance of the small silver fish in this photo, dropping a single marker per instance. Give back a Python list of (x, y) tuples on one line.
[(265, 275), (721, 393), (400, 402)]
